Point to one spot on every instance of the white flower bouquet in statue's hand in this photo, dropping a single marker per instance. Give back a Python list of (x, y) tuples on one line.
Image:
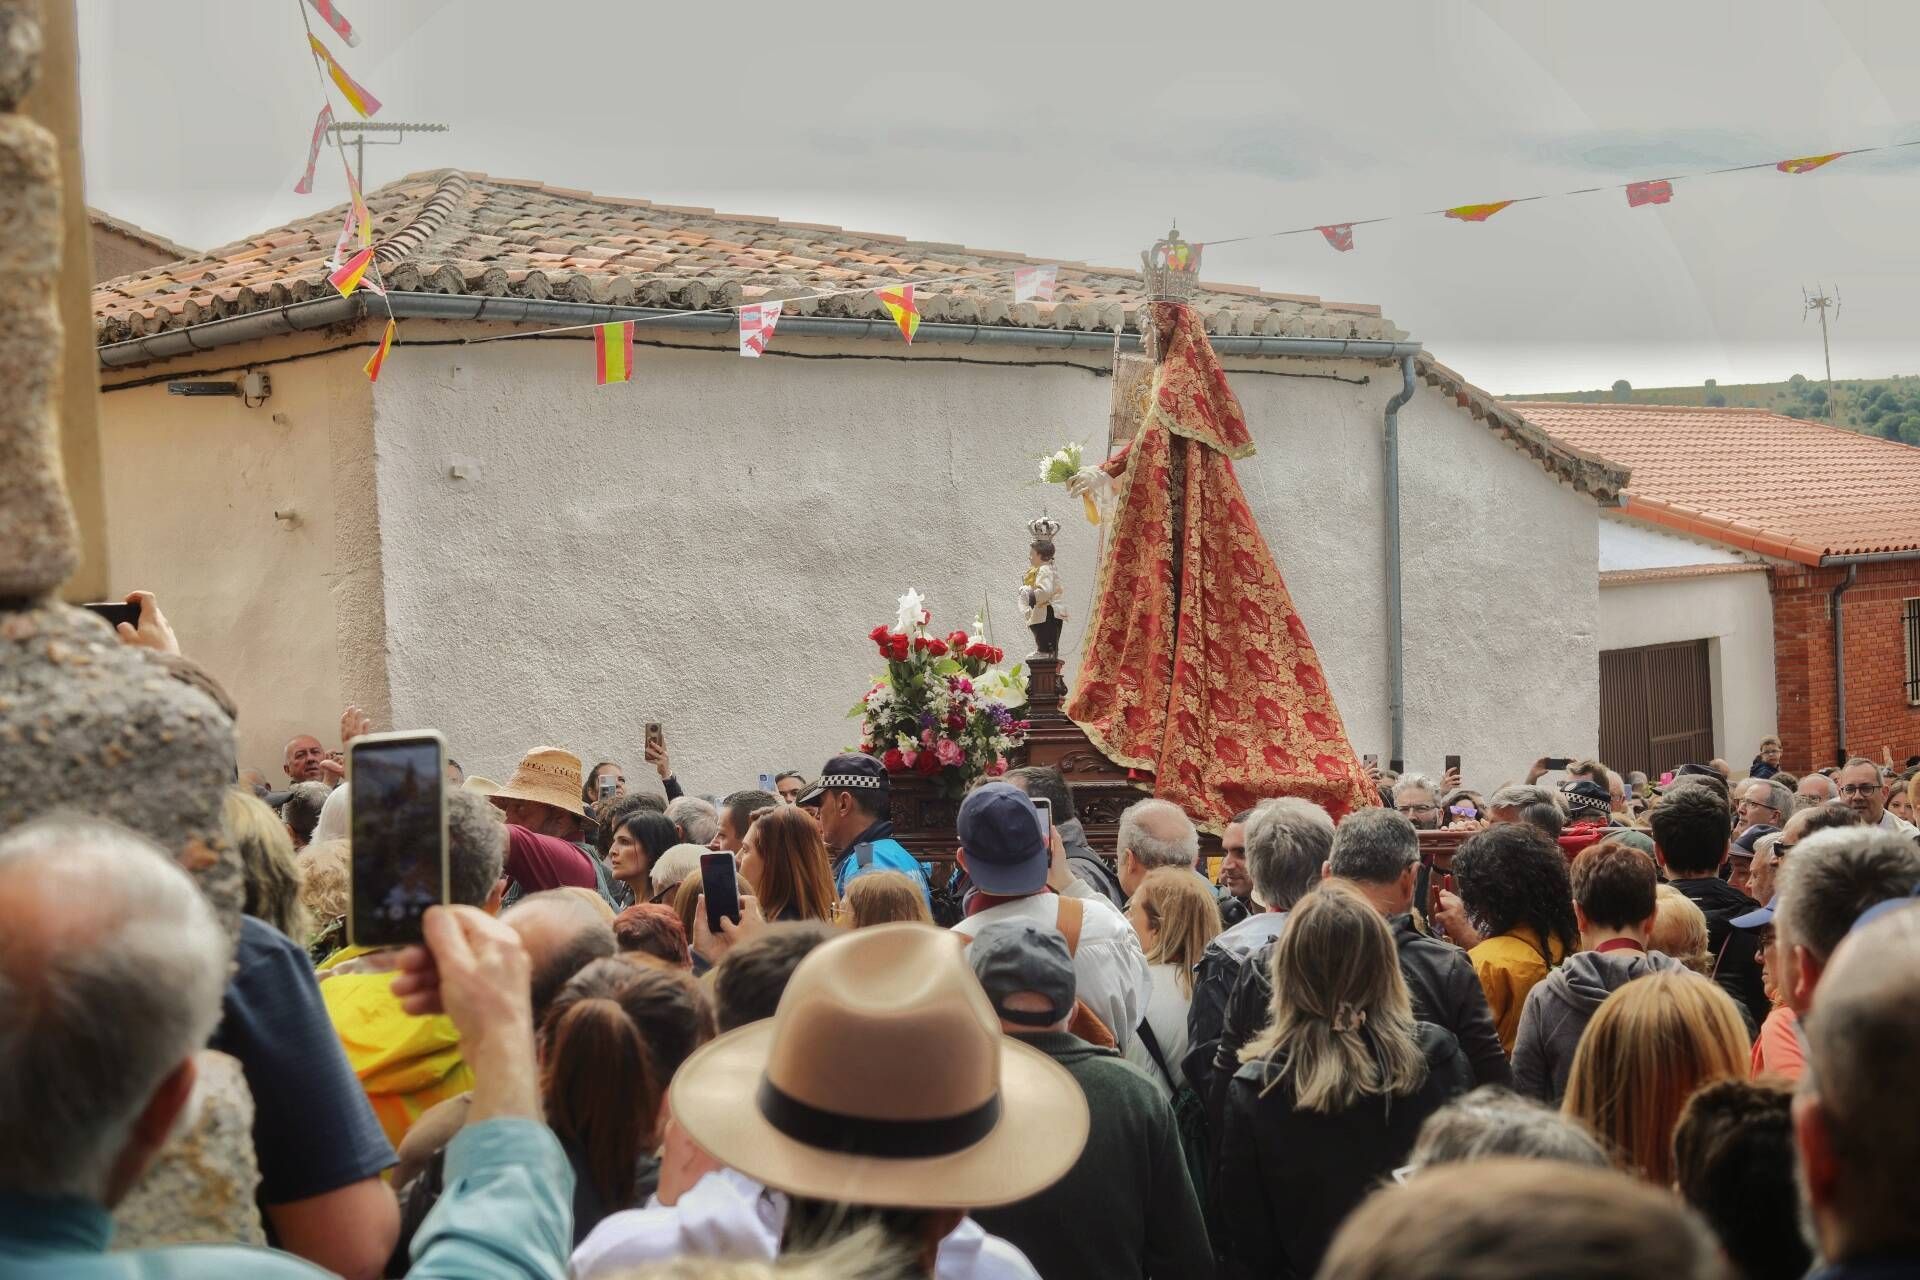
[(1062, 466)]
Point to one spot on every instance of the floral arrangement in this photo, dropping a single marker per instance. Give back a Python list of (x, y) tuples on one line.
[(942, 708)]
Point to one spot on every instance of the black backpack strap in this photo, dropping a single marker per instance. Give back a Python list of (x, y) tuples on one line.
[(1145, 1032)]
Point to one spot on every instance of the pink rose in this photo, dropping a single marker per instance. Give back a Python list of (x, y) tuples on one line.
[(907, 758), (950, 752), (997, 768), (926, 737)]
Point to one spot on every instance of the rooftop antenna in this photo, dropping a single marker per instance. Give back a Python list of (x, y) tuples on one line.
[(355, 134), (1819, 301)]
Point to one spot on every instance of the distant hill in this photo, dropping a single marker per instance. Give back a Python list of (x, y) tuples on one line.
[(1887, 407)]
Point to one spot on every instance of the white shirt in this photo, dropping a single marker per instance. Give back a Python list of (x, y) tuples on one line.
[(1891, 821), (1109, 969), (1167, 1015), (729, 1215)]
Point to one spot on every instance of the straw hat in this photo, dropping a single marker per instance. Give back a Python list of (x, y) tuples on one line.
[(547, 775), (884, 1080)]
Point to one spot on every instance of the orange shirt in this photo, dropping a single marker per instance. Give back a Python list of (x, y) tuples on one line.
[(1777, 1052)]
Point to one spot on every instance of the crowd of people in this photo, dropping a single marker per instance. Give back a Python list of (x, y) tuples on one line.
[(1613, 1028)]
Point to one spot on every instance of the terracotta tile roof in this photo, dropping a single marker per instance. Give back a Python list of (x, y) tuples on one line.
[(1751, 479), (141, 235), (1624, 577), (1587, 472), (452, 232)]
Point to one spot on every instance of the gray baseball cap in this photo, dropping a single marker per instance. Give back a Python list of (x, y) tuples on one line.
[(1012, 956)]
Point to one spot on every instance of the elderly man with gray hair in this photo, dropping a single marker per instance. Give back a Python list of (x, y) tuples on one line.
[(1510, 802), (1287, 843), (697, 819), (1415, 797), (112, 970), (1154, 834), (1760, 800)]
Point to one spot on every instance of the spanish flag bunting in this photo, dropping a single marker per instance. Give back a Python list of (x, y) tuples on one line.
[(338, 21), (320, 123), (899, 305), (351, 274), (379, 356), (359, 213), (1477, 212), (1655, 191), (357, 97), (613, 352), (1339, 235), (1807, 164)]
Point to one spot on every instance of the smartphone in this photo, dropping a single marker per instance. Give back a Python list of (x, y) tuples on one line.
[(608, 785), (116, 612), (397, 834), (1453, 764), (654, 737), (1370, 760), (1045, 808), (1556, 763), (766, 784), (720, 882)]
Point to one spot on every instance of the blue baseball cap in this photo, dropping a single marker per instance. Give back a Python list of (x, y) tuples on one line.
[(1000, 834), (1759, 917)]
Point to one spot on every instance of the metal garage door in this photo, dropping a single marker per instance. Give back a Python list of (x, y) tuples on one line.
[(1656, 706)]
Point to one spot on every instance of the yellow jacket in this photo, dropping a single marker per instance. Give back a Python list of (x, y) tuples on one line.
[(1509, 966), (405, 1063)]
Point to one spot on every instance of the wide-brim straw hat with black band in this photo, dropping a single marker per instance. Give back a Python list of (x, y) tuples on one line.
[(547, 775), (884, 1080)]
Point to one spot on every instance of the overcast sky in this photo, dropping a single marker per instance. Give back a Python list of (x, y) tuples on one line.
[(1078, 130)]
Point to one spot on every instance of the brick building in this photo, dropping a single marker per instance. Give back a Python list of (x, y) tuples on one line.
[(1747, 548)]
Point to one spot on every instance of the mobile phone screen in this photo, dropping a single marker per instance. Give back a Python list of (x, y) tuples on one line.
[(719, 881), (116, 612), (397, 828), (1453, 764), (1045, 808), (1556, 763)]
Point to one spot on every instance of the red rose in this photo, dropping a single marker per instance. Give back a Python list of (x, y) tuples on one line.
[(938, 648), (956, 721), (879, 634), (928, 763), (899, 648), (999, 655), (894, 761), (957, 640)]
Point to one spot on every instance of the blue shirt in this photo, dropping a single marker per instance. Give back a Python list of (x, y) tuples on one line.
[(506, 1214), (313, 1129), (885, 854)]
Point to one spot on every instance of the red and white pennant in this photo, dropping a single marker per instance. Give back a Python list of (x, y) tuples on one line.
[(756, 326)]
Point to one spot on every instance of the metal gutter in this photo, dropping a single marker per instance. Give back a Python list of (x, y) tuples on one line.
[(1396, 640), (1840, 665), (301, 316), (1868, 557)]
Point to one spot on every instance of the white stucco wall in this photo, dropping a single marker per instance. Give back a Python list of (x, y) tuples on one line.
[(1632, 544), (285, 614), (1733, 612), (709, 545)]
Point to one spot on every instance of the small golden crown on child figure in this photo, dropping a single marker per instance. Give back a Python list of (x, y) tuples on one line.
[(1172, 268), (1043, 527)]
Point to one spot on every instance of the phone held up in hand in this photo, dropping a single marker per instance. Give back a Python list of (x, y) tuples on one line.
[(116, 612), (1045, 808), (1556, 763), (655, 738), (720, 883), (397, 834), (1453, 764)]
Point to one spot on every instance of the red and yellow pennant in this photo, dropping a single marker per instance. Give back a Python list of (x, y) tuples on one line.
[(1477, 212), (1653, 191), (379, 357), (899, 304), (613, 352), (357, 97), (361, 217), (1807, 164), (351, 274)]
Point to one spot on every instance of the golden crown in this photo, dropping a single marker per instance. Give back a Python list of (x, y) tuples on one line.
[(1172, 268)]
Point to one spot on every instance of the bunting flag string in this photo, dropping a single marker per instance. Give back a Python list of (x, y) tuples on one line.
[(304, 187), (1477, 212), (613, 352), (1032, 284), (352, 273), (379, 357), (899, 304), (337, 20), (1807, 164), (1339, 235), (352, 90), (756, 326)]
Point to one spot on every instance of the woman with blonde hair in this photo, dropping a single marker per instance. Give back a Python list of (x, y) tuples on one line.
[(1176, 916), (1332, 1095), (266, 858), (1649, 1046), (1680, 930), (882, 897), (785, 860), (325, 866)]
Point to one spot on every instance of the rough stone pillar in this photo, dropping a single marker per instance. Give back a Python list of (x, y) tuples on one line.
[(86, 722)]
